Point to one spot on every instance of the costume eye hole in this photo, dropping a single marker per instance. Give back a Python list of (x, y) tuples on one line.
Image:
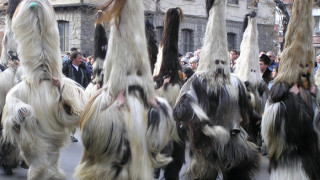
[(254, 71), (217, 62), (222, 62), (301, 65)]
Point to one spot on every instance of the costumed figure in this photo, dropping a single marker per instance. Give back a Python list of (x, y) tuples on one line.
[(124, 126), (248, 71), (168, 84), (291, 117), (45, 104), (100, 52), (211, 106), (9, 152), (152, 44)]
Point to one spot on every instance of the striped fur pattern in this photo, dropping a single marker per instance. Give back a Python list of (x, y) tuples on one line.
[(38, 114), (218, 143), (122, 135), (293, 151)]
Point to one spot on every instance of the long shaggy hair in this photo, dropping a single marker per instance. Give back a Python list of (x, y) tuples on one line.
[(169, 62), (169, 65), (248, 71), (100, 52), (214, 65), (135, 133), (38, 114), (152, 44), (8, 42), (297, 59)]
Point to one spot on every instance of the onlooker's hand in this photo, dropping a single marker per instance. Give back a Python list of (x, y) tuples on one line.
[(295, 89), (313, 89)]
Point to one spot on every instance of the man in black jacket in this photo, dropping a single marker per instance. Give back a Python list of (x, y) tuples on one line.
[(76, 69)]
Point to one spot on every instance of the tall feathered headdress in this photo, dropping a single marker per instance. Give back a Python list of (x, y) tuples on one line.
[(248, 68), (297, 60), (127, 47), (152, 44), (39, 48), (168, 63), (214, 59), (8, 43)]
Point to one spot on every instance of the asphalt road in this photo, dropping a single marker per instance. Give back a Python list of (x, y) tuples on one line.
[(70, 156)]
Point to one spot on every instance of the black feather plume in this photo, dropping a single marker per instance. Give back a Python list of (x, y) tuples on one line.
[(246, 20), (209, 4), (12, 6), (100, 42), (152, 44), (170, 60)]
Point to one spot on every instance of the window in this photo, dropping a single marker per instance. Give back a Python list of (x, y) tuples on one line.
[(251, 2), (317, 24), (64, 35), (159, 33), (231, 41), (186, 41), (233, 2)]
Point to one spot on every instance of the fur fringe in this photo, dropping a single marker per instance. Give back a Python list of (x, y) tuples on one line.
[(297, 58)]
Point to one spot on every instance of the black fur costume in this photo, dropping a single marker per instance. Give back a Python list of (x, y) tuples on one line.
[(211, 106)]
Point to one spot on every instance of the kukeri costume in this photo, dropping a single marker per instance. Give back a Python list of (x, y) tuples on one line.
[(211, 106), (40, 109), (290, 124), (122, 135)]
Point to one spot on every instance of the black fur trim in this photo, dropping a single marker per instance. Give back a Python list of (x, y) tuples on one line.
[(133, 88), (100, 42), (209, 4), (12, 6), (246, 20)]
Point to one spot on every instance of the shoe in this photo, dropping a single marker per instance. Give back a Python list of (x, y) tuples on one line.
[(73, 139)]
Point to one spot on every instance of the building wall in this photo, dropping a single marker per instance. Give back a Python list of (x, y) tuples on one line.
[(81, 27)]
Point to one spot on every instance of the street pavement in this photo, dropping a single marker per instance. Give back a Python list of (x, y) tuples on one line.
[(71, 155)]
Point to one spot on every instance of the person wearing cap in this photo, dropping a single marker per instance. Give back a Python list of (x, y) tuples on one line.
[(265, 71), (187, 73), (193, 63), (184, 62)]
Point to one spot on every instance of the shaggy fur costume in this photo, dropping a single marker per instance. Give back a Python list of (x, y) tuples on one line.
[(122, 135), (100, 52), (168, 67), (290, 125), (211, 105), (9, 153), (248, 71), (40, 110)]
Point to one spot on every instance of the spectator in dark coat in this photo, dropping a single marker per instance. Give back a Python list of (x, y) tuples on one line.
[(76, 69), (265, 71)]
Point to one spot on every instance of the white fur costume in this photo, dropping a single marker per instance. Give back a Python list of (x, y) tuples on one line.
[(122, 137), (248, 71), (37, 113)]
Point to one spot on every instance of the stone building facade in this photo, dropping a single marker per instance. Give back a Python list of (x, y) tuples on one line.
[(76, 22)]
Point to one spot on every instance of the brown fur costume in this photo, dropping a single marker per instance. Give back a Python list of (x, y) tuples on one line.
[(292, 110)]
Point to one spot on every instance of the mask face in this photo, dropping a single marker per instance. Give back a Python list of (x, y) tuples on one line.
[(304, 75)]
